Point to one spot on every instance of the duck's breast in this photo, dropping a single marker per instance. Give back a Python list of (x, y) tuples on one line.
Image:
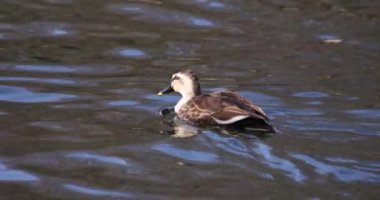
[(195, 114)]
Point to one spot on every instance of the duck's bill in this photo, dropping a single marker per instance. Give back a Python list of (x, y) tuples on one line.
[(167, 90)]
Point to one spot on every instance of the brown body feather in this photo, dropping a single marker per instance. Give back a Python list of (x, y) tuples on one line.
[(204, 109)]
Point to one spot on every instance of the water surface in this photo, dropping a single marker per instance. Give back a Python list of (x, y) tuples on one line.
[(78, 110)]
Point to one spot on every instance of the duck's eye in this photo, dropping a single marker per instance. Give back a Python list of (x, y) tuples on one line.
[(175, 78)]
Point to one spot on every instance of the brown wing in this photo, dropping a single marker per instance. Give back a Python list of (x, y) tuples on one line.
[(226, 105), (242, 103), (207, 103)]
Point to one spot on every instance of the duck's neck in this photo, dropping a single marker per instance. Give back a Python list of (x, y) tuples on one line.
[(185, 98)]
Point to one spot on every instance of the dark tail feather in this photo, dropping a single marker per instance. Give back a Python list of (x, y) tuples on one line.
[(254, 124)]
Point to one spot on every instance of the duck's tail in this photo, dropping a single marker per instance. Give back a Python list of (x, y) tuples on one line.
[(254, 124)]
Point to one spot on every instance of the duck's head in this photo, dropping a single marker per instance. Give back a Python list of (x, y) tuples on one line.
[(184, 82)]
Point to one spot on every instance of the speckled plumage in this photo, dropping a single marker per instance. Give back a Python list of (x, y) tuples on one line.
[(218, 108)]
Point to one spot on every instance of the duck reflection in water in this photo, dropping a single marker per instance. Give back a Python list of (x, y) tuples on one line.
[(180, 127), (223, 109)]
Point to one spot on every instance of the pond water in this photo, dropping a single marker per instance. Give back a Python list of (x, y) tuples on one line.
[(78, 110)]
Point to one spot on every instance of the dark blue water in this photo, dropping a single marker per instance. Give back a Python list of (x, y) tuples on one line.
[(79, 111)]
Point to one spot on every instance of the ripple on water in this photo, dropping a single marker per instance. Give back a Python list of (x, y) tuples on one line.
[(126, 52), (77, 69), (190, 155), (73, 127), (229, 144), (200, 22), (21, 95), (45, 68), (123, 103), (341, 173), (152, 13), (310, 94), (329, 38), (39, 80), (262, 99), (36, 29), (165, 98), (60, 2), (279, 163), (99, 158), (211, 5), (15, 175), (314, 103), (183, 49), (96, 191), (332, 125), (361, 165), (215, 4), (300, 111), (132, 53), (365, 113)]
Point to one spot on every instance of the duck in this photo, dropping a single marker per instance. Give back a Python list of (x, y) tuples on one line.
[(222, 108)]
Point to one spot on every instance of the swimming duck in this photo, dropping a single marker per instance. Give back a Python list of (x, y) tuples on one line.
[(224, 108)]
